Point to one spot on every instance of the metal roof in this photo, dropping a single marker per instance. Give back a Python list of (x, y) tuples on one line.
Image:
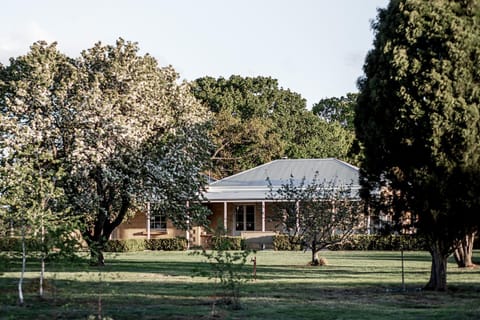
[(252, 185)]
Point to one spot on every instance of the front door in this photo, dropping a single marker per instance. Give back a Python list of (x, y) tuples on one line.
[(244, 218)]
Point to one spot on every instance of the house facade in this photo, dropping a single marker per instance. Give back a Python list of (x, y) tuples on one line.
[(241, 204)]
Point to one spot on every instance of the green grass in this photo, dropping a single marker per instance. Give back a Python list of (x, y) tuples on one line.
[(159, 285)]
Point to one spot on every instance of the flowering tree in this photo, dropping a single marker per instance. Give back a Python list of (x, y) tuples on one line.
[(123, 129), (30, 170)]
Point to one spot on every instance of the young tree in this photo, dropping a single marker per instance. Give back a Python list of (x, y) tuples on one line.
[(418, 117), (317, 214), (31, 197)]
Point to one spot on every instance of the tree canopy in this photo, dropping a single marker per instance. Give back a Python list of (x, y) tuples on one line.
[(334, 109), (256, 121), (121, 126), (418, 119)]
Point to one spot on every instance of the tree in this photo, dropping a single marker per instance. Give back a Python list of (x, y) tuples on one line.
[(257, 121), (122, 127), (317, 214), (31, 198), (336, 116), (417, 119), (245, 132), (341, 110)]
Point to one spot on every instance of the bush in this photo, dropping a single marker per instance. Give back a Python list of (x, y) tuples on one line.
[(361, 242), (167, 244), (124, 245), (227, 243), (170, 244), (283, 242), (15, 244), (382, 243)]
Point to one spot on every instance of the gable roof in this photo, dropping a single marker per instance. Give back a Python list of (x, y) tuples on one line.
[(252, 184)]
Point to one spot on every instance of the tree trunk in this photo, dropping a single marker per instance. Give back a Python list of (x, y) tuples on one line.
[(96, 254), (438, 273), (463, 253), (42, 259), (103, 228), (24, 260), (315, 260)]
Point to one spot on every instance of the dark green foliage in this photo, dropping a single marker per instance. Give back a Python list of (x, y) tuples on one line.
[(361, 242), (257, 121), (227, 243), (170, 244), (15, 244), (283, 242), (340, 110), (125, 245), (129, 245), (418, 120), (383, 243)]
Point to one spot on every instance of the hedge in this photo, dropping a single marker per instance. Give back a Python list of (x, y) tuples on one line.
[(168, 244), (283, 243), (362, 242), (15, 244), (383, 243), (227, 243)]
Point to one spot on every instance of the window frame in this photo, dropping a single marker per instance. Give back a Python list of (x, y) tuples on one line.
[(158, 222), (241, 210)]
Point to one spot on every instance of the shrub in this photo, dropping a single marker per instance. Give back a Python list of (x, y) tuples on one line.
[(283, 242), (15, 244), (380, 242), (169, 244), (227, 243), (124, 245)]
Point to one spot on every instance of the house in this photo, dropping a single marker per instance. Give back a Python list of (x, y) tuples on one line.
[(240, 203)]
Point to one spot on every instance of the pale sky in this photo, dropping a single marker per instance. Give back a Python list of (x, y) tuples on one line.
[(313, 47)]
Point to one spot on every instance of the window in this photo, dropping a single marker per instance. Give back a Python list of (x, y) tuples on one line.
[(245, 218), (158, 222)]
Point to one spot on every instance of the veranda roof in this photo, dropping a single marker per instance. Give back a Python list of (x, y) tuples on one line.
[(252, 185)]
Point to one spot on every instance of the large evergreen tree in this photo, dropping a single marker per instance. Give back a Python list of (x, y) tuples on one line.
[(418, 120)]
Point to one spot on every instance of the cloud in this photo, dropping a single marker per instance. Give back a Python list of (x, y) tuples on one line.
[(17, 42)]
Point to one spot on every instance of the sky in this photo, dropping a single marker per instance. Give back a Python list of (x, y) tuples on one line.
[(313, 47)]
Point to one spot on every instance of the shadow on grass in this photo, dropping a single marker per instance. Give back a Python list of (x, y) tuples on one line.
[(158, 299), (118, 300), (418, 256)]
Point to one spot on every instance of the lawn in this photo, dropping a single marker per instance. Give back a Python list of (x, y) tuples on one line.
[(159, 285)]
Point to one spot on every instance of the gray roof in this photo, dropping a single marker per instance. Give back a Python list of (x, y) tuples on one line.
[(252, 185)]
